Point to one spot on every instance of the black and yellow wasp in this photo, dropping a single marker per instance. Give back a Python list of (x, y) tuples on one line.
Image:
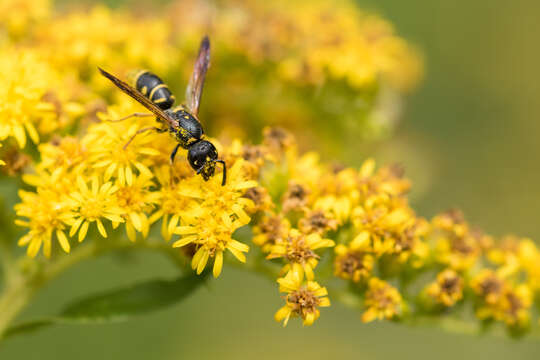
[(181, 121)]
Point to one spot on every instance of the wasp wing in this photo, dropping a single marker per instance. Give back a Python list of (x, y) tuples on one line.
[(131, 91), (196, 82)]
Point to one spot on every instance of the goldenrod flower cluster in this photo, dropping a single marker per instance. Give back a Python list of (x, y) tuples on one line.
[(380, 246), (315, 224), (309, 40)]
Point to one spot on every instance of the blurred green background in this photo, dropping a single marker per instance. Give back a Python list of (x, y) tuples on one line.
[(468, 139)]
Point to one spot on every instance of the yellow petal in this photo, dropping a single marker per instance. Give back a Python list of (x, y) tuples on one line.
[(32, 132), (130, 231), (114, 218), (218, 263), (237, 245), (173, 223), (361, 241), (148, 151), (62, 239), (95, 186), (33, 248), (309, 319), (237, 254), (47, 247), (83, 230), (82, 185), (184, 241), (121, 176), (164, 231), (136, 220), (101, 228), (202, 262), (20, 136), (309, 272), (108, 173), (324, 302), (75, 226), (367, 168), (242, 216), (129, 176), (143, 170), (185, 230), (196, 258), (246, 185), (283, 314)]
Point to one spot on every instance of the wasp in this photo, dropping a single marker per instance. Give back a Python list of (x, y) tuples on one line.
[(180, 122)]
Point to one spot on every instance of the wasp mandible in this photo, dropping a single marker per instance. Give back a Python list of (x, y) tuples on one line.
[(182, 121)]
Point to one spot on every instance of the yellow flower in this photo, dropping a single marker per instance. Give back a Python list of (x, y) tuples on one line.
[(506, 254), (25, 80), (354, 46), (514, 306), (18, 15), (106, 144), (352, 264), (447, 289), (270, 230), (410, 244), (456, 245), (136, 200), (47, 213), (317, 221), (222, 199), (92, 204), (172, 203), (383, 225), (296, 197), (337, 194), (299, 250), (529, 258), (260, 198), (255, 156), (84, 40), (451, 221), (66, 153), (382, 301), (212, 236), (488, 286), (302, 299), (193, 197)]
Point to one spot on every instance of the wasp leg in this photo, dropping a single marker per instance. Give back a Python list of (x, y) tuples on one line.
[(130, 116), (142, 131), (224, 178), (173, 154)]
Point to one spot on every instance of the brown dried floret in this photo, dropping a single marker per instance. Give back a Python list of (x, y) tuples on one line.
[(296, 197), (317, 221)]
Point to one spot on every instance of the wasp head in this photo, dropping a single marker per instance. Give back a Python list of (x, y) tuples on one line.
[(202, 157)]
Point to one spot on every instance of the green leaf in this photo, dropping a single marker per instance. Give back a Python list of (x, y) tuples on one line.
[(121, 304), (117, 305)]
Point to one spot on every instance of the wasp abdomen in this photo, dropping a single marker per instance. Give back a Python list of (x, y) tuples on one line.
[(151, 86)]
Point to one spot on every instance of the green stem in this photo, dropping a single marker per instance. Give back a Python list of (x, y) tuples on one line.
[(13, 299), (22, 285)]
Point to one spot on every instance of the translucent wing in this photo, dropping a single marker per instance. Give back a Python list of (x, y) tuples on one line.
[(139, 97), (196, 83)]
